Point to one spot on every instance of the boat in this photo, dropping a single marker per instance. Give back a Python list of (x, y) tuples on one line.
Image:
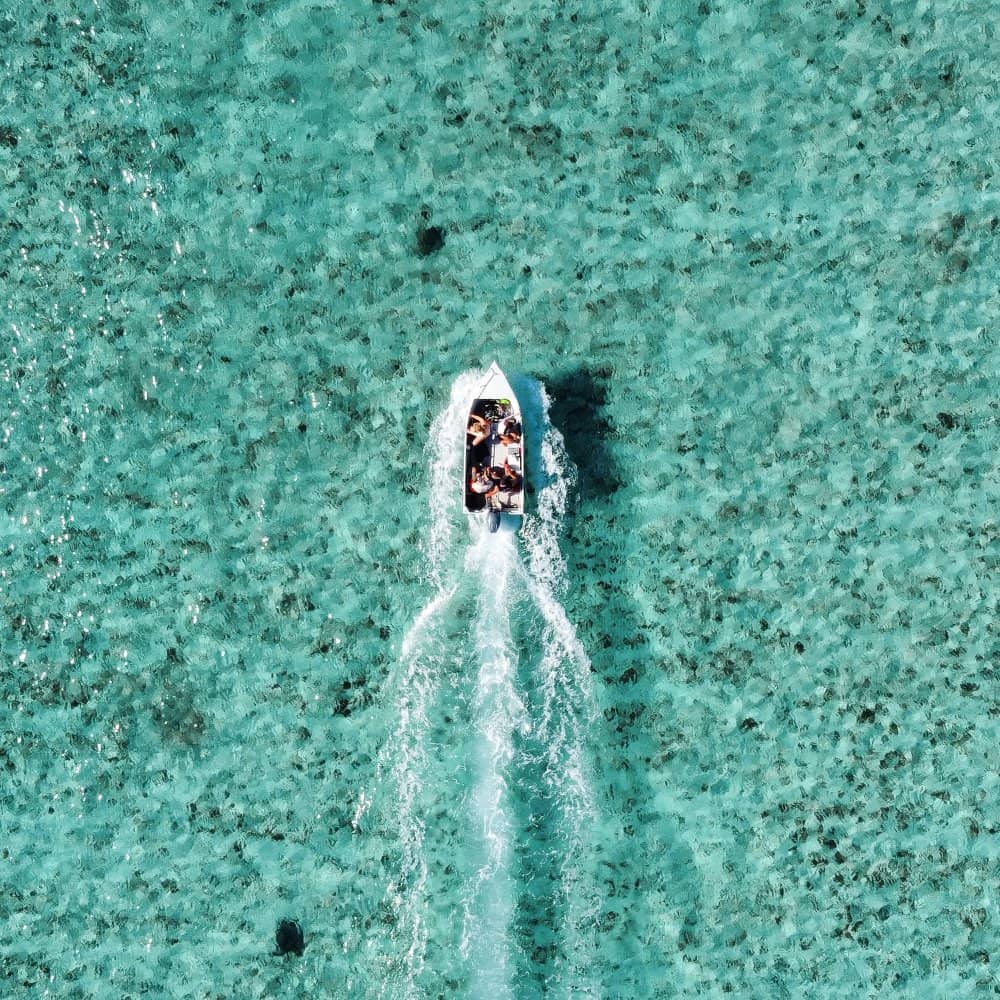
[(494, 452)]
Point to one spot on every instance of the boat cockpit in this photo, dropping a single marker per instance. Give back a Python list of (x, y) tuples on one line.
[(495, 477)]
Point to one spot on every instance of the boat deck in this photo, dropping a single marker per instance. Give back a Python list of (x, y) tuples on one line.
[(493, 453)]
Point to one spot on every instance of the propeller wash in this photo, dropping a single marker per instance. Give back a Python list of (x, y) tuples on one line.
[(483, 785)]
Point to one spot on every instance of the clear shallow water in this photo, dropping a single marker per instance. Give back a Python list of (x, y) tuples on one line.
[(733, 730)]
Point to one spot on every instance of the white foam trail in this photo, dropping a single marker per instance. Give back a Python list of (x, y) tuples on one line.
[(498, 712), (418, 690), (564, 669), (568, 708), (423, 659)]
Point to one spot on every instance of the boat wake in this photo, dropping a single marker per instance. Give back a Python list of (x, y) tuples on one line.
[(497, 713), (484, 783)]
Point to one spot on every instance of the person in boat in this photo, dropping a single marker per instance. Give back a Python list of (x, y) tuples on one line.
[(480, 429), (510, 433), (510, 480), (482, 481)]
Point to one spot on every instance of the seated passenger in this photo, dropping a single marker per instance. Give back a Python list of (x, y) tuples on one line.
[(479, 428), (510, 481), (481, 481), (510, 433)]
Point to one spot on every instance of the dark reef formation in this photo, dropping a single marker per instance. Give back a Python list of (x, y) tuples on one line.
[(289, 938)]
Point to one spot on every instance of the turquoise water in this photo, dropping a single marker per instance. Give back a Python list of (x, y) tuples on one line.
[(721, 720)]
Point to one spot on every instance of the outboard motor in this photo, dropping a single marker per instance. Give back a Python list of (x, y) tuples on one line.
[(493, 521)]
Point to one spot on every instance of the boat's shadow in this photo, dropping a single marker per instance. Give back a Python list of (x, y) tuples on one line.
[(578, 399)]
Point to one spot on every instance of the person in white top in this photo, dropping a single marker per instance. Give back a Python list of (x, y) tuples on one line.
[(482, 482)]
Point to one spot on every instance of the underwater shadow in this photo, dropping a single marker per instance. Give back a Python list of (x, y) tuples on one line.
[(578, 399)]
